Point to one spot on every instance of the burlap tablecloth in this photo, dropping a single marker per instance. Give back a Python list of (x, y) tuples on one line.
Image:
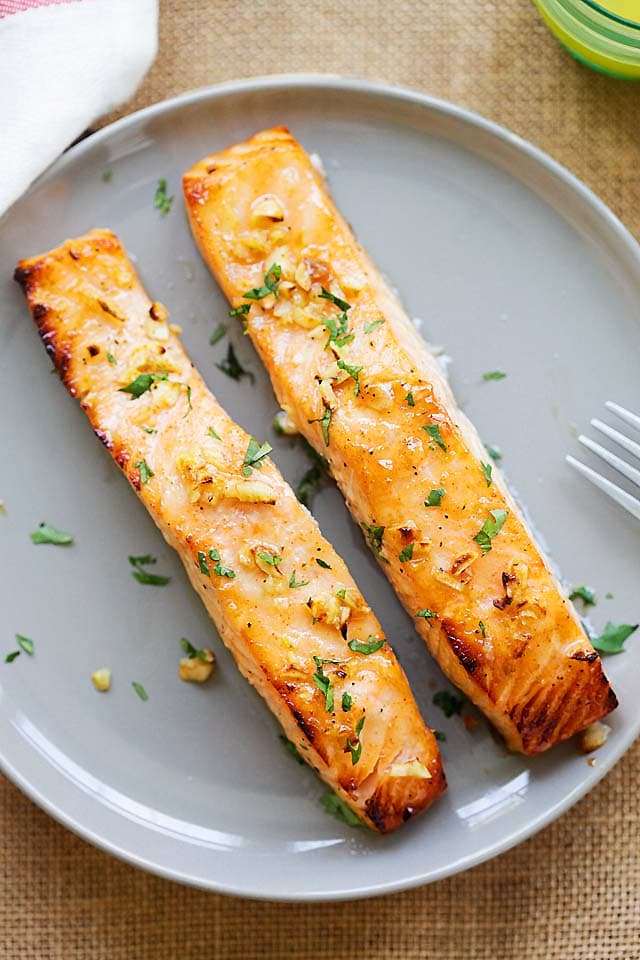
[(573, 891)]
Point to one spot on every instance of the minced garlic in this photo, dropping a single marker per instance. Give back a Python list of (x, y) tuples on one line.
[(411, 769), (283, 423), (326, 608), (594, 737), (210, 484), (199, 668), (102, 679)]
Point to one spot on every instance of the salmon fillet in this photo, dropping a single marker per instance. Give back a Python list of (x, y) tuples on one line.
[(283, 601), (349, 368)]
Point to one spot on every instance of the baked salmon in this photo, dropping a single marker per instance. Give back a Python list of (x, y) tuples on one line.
[(282, 599), (351, 371)]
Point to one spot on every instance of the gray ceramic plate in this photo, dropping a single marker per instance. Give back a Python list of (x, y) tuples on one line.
[(511, 264)]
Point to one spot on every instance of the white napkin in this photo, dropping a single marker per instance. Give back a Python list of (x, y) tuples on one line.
[(62, 64)]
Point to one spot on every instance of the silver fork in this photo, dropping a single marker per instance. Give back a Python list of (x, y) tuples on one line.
[(632, 504)]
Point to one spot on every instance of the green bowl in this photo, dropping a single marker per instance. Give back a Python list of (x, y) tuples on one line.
[(600, 38)]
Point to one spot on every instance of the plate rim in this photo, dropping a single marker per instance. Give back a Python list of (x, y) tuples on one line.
[(618, 232)]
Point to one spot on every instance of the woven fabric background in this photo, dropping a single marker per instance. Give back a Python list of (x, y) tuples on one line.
[(573, 891)]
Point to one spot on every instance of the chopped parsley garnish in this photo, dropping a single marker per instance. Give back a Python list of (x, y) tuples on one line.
[(269, 558), (435, 497), (494, 375), (254, 456), (293, 583), (368, 327), (106, 176), (291, 747), (110, 357), (202, 563), (270, 286), (147, 429), (608, 596), (587, 596), (189, 399), (212, 433), (494, 452), (25, 644), (323, 683), (354, 372), (336, 806), (347, 702), (220, 570), (406, 553), (612, 639), (218, 333), (325, 422), (161, 200), (448, 703), (487, 470), (240, 311), (374, 536), (410, 399), (233, 368), (145, 471), (338, 330), (338, 327), (142, 383), (48, 534), (369, 647), (483, 629), (188, 648), (312, 479), (140, 690), (326, 425), (323, 563), (191, 651), (439, 735), (433, 429), (490, 529), (342, 304), (142, 560), (356, 749), (150, 579), (143, 576), (426, 614), (10, 657)]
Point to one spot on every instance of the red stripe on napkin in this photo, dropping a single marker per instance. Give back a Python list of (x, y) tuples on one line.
[(8, 7)]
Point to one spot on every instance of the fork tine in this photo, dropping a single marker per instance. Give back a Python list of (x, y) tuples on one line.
[(620, 496), (625, 468), (626, 415), (617, 437)]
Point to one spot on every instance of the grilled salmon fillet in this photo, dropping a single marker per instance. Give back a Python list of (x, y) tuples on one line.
[(349, 368), (283, 601)]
